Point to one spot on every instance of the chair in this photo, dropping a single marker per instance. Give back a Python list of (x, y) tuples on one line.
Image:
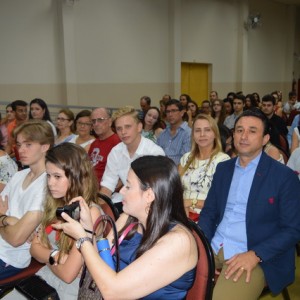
[(6, 285), (202, 288), (108, 206)]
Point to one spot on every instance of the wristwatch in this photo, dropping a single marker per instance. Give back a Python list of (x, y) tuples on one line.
[(51, 257), (80, 241), (194, 203)]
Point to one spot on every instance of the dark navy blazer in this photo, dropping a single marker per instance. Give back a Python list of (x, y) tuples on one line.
[(272, 216)]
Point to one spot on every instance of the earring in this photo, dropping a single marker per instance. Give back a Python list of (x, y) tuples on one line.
[(147, 208)]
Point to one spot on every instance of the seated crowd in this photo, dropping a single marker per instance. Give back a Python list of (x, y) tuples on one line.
[(230, 165)]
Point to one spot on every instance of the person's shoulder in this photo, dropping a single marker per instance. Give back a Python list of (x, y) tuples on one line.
[(185, 156), (278, 168), (179, 235), (94, 144), (164, 132), (115, 138), (149, 147), (295, 156), (219, 158), (72, 138), (296, 152), (20, 174), (23, 172), (119, 147), (277, 119), (224, 165), (222, 156), (295, 121), (185, 126), (227, 119)]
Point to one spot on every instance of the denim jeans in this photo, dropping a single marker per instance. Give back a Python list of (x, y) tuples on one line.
[(7, 270)]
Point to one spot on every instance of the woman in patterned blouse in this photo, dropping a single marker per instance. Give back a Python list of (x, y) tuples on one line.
[(198, 166)]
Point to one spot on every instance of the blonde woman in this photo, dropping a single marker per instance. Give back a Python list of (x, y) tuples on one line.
[(198, 166)]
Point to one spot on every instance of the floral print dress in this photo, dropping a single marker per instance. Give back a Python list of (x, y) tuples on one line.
[(198, 177), (7, 168)]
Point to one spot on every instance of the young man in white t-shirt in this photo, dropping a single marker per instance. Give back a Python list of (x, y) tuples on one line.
[(22, 198), (133, 145)]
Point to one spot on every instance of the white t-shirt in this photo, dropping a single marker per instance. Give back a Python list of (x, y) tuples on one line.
[(19, 202), (83, 145), (118, 162)]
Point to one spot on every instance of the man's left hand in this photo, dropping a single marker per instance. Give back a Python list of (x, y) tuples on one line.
[(240, 263)]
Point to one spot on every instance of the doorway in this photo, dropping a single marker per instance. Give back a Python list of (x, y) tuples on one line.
[(195, 80)]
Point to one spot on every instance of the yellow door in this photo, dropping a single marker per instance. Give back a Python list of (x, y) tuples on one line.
[(195, 81)]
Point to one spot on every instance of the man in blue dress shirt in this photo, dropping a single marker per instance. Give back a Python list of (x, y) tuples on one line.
[(252, 216), (176, 138)]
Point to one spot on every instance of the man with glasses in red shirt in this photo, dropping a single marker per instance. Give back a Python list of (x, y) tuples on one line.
[(105, 141)]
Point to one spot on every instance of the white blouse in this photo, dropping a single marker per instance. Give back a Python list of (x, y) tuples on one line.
[(198, 177)]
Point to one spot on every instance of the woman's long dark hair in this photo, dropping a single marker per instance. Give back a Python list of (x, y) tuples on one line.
[(158, 122), (44, 106), (161, 175)]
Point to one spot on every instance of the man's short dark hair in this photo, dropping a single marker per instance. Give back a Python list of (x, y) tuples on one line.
[(205, 101), (174, 102), (292, 94), (147, 99), (268, 98), (16, 103), (240, 97), (256, 113)]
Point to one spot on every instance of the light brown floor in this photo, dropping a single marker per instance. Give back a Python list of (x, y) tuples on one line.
[(294, 289)]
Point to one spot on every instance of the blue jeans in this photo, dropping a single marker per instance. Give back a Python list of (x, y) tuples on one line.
[(7, 270)]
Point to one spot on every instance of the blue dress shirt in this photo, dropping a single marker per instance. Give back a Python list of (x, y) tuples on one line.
[(231, 232), (177, 145)]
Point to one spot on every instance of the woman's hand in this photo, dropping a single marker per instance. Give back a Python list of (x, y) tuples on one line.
[(70, 227), (74, 228), (85, 213)]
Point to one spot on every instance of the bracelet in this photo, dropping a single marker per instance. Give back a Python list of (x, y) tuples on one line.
[(2, 217), (2, 221), (89, 231)]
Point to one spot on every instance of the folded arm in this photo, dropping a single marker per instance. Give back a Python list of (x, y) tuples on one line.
[(17, 231)]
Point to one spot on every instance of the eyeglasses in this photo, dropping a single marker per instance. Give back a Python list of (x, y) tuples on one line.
[(172, 111), (83, 124), (62, 119), (216, 104), (99, 120)]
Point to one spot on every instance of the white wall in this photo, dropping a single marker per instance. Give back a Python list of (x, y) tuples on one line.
[(122, 49), (111, 52), (30, 52)]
